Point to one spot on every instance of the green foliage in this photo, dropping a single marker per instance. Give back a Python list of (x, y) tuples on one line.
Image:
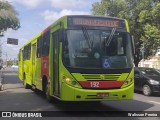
[(8, 17), (143, 17), (105, 7), (151, 39)]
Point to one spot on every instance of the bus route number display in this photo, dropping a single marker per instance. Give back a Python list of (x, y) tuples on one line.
[(94, 84), (96, 22)]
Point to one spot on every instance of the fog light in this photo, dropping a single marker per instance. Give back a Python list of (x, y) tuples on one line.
[(73, 82)]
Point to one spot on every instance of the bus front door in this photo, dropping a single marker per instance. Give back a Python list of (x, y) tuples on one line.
[(55, 64)]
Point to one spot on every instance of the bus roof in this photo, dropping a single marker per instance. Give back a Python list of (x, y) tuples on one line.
[(94, 16), (72, 16)]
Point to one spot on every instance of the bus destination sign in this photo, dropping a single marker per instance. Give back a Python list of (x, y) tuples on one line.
[(92, 22), (103, 22)]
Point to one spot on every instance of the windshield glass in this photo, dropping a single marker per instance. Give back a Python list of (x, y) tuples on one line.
[(149, 72), (97, 49)]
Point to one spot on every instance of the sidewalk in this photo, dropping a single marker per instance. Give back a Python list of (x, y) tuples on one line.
[(7, 81)]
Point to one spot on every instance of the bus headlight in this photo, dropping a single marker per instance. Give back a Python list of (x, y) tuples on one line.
[(127, 82), (70, 81), (74, 82)]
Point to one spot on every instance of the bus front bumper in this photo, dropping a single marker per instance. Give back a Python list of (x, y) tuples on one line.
[(69, 93)]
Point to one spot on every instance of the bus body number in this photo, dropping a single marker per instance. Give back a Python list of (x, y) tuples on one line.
[(94, 84)]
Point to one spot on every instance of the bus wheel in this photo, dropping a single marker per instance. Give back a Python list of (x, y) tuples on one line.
[(26, 86), (47, 92)]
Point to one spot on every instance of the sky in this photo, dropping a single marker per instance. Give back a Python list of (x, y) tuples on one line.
[(36, 15)]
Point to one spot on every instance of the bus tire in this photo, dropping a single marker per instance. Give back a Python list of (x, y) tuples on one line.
[(26, 86)]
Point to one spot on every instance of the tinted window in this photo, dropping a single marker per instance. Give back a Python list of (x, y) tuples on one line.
[(27, 52), (45, 44), (39, 46), (149, 72), (87, 48)]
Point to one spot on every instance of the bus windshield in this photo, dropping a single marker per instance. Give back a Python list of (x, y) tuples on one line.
[(87, 48)]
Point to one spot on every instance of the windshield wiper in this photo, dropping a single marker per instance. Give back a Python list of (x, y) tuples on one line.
[(87, 37), (108, 41)]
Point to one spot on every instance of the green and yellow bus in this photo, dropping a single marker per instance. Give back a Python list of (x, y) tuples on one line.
[(80, 58)]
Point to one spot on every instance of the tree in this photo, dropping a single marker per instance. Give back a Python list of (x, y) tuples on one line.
[(143, 17), (109, 7), (151, 38), (8, 17)]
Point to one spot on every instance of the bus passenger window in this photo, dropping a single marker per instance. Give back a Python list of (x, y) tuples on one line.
[(27, 52), (66, 53), (39, 47), (45, 43)]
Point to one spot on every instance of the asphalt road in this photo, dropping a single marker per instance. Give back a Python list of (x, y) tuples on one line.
[(16, 98)]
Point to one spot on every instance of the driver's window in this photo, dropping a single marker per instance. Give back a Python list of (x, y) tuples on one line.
[(84, 48), (83, 44)]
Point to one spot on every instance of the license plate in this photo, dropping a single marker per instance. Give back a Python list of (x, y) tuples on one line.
[(102, 94)]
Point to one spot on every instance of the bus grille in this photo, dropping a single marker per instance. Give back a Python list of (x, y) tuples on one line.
[(101, 77)]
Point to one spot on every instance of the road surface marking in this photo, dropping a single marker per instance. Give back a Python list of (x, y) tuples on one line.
[(154, 102)]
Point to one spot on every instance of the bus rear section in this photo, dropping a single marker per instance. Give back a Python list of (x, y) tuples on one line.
[(95, 60)]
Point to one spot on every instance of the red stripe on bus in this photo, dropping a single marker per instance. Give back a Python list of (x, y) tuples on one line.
[(47, 29), (101, 84), (45, 67)]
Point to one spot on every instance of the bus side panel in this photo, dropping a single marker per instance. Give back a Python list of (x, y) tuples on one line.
[(51, 65), (28, 71), (38, 79), (45, 67)]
